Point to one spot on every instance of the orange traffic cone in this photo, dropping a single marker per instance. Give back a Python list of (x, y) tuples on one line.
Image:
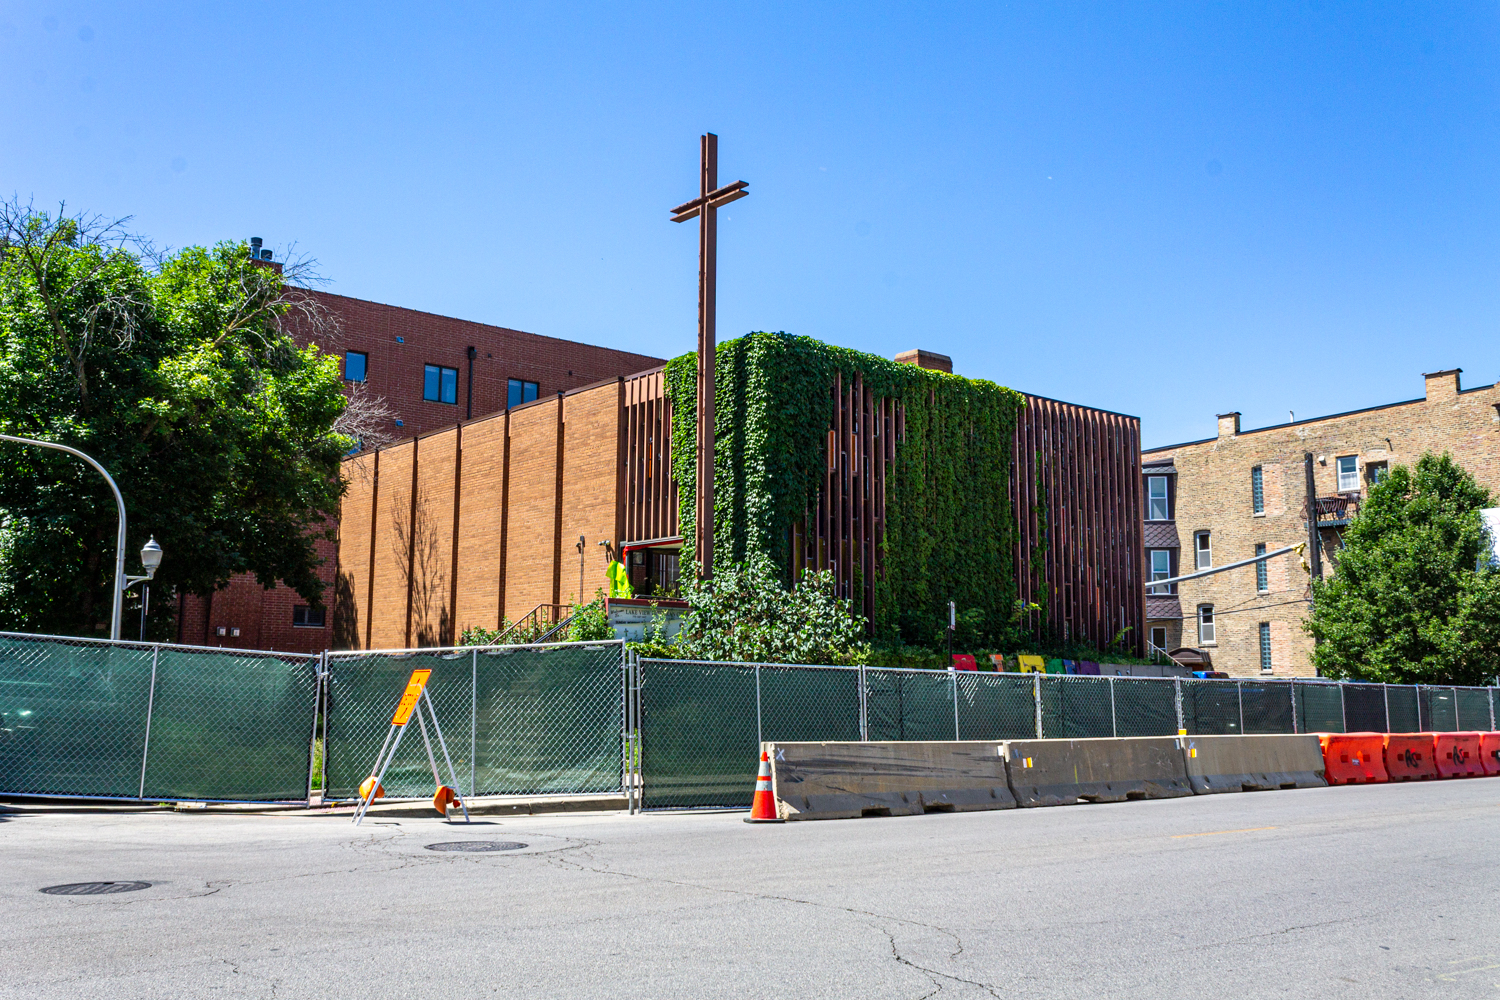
[(763, 808), (443, 798)]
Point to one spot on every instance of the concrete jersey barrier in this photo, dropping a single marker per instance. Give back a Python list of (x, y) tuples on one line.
[(1252, 763), (1065, 772), (848, 780)]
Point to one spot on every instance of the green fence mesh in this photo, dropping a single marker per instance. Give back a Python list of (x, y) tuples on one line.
[(122, 720), (1076, 708), (1473, 708), (1403, 709), (1145, 707), (1268, 707), (73, 717), (230, 725), (1211, 707), (1320, 708), (222, 725), (698, 734), (996, 707), (548, 720), (517, 721), (909, 705)]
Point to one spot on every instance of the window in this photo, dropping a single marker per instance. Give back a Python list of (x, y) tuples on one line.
[(1156, 492), (1348, 473), (519, 392), (1375, 472), (306, 617), (1161, 569), (1265, 647), (354, 365), (1257, 491), (1206, 624), (1205, 550), (440, 385), (1262, 583), (1159, 638)]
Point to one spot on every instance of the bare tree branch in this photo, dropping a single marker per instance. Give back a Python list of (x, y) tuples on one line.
[(367, 418)]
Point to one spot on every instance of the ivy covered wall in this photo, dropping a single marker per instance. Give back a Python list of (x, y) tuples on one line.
[(948, 531)]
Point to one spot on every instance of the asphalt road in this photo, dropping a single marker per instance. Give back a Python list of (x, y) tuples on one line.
[(1364, 891)]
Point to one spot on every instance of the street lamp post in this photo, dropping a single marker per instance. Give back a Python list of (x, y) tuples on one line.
[(150, 558), (119, 588)]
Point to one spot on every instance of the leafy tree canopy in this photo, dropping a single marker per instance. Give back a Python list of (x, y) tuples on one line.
[(177, 373), (1407, 603)]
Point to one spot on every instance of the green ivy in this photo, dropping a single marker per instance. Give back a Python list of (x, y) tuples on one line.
[(949, 526)]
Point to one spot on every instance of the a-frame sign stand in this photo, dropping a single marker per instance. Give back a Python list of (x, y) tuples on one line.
[(411, 704)]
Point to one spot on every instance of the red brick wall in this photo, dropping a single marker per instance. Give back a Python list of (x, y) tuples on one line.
[(394, 371)]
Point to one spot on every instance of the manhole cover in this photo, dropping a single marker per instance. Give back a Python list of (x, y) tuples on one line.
[(476, 846), (94, 888)]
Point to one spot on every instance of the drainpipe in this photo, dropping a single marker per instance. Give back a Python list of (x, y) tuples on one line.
[(469, 406)]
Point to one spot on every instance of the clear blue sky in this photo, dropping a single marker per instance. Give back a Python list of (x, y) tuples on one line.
[(1171, 210)]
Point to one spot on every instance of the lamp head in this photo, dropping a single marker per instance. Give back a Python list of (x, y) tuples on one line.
[(151, 555)]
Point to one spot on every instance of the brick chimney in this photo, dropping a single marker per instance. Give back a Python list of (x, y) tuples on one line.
[(1229, 424), (926, 359), (1443, 384)]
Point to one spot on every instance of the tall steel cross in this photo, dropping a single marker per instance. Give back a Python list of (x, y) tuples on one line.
[(705, 208)]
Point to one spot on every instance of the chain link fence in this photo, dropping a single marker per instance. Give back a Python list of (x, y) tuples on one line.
[(517, 720), (92, 718), (154, 722), (698, 725), (100, 719)]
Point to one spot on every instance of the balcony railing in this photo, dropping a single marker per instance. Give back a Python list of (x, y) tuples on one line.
[(1336, 511)]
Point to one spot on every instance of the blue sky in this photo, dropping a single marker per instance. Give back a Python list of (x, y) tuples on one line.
[(1172, 210)]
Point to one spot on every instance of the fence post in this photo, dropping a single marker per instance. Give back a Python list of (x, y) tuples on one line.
[(1114, 723), (150, 704), (317, 711), (1177, 705), (1417, 689), (760, 737), (1456, 723), (1343, 710), (1239, 689), (1291, 685), (954, 674), (1490, 697), (864, 706), (473, 718), (1036, 694), (1386, 688)]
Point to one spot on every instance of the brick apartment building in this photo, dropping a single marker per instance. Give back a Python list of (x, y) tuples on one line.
[(432, 371), (1242, 493)]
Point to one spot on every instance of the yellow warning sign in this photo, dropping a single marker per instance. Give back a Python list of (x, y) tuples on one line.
[(408, 702)]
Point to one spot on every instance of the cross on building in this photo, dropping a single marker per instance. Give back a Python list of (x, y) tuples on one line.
[(705, 208)]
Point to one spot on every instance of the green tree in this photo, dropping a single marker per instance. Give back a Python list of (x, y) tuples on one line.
[(1407, 603), (178, 373)]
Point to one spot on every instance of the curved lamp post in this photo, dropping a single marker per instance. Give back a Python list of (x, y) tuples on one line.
[(114, 617)]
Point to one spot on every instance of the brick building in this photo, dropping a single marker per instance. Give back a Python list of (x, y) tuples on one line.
[(432, 371), (508, 514), (1239, 494)]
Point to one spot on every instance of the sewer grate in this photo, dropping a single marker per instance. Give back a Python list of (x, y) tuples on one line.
[(94, 888), (476, 846)]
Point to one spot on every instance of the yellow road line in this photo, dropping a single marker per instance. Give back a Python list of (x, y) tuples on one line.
[(1215, 833)]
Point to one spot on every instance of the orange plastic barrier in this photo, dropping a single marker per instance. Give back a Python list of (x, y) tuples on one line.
[(1458, 755), (1410, 756), (1489, 752), (1353, 758)]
